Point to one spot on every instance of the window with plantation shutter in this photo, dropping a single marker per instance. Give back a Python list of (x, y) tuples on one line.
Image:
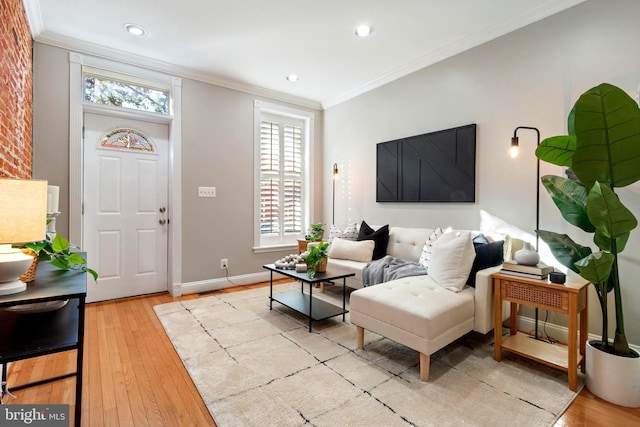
[(282, 201)]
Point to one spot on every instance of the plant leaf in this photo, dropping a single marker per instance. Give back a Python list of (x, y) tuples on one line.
[(92, 272), (596, 268), (60, 263), (565, 250), (77, 259), (607, 128), (571, 199), (558, 150), (60, 244), (612, 219), (571, 122), (36, 246)]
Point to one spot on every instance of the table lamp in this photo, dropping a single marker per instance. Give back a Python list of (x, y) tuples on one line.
[(23, 219)]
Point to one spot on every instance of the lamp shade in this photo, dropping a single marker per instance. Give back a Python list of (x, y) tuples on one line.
[(23, 210)]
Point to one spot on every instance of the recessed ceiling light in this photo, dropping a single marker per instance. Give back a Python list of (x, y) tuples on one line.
[(292, 77), (134, 29), (364, 30)]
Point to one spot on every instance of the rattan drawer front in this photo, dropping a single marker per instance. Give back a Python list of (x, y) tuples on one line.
[(543, 297)]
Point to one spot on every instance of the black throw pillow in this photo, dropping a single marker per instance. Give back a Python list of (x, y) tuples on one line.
[(380, 237), (487, 255)]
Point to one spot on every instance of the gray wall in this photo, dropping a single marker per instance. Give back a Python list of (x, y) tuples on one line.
[(217, 150), (530, 77), (51, 123)]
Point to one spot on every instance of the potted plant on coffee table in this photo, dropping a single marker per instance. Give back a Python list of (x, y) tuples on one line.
[(316, 258), (602, 151)]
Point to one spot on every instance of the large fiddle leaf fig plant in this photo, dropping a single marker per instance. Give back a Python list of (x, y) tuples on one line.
[(602, 152)]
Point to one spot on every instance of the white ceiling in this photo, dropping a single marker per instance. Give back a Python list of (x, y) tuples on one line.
[(252, 45)]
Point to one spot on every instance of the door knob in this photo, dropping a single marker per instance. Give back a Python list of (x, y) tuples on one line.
[(162, 209), (162, 221)]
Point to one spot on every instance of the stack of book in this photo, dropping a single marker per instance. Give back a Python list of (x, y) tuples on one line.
[(540, 271)]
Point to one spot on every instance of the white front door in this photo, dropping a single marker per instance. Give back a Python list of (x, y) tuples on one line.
[(125, 198)]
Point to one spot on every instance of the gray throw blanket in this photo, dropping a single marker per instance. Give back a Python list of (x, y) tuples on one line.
[(389, 268)]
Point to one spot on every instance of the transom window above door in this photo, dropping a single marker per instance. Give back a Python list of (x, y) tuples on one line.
[(124, 92)]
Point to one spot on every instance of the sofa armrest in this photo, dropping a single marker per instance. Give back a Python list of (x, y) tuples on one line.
[(483, 300)]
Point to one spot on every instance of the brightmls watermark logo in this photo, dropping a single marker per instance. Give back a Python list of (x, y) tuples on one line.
[(34, 415)]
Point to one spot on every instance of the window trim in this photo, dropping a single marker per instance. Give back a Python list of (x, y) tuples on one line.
[(260, 108)]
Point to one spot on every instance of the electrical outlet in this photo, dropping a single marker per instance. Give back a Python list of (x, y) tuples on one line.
[(224, 263), (206, 191)]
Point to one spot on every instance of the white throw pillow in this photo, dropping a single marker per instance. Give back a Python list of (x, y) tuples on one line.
[(349, 233), (352, 250), (425, 256), (451, 260)]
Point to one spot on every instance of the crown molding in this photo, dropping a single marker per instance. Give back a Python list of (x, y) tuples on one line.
[(34, 16), (100, 51), (463, 44)]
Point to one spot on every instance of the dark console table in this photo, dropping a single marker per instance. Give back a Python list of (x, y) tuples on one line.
[(27, 335)]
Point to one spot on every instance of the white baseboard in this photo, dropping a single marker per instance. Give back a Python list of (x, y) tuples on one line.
[(558, 332), (220, 283)]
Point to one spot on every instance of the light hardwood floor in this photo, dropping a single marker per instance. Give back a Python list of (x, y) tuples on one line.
[(133, 377)]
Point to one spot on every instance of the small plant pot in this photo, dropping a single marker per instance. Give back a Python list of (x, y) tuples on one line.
[(322, 267), (302, 246), (30, 274)]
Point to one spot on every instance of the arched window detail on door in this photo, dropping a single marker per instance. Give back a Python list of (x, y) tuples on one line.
[(127, 139)]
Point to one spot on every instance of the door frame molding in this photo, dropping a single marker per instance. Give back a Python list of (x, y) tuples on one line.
[(77, 108)]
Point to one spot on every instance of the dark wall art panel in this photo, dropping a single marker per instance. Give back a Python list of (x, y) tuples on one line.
[(432, 167)]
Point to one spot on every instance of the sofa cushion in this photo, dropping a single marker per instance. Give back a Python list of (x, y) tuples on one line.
[(407, 243), (451, 260), (510, 245), (346, 266), (487, 255), (354, 250), (480, 239), (416, 304), (349, 233), (379, 236), (425, 256)]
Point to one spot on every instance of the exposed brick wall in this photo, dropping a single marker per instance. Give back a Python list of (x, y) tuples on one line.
[(16, 96)]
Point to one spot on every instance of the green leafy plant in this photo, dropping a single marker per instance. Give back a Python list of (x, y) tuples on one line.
[(58, 251), (602, 151), (315, 233), (314, 257)]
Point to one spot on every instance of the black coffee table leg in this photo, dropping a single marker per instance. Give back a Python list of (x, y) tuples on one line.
[(310, 305), (271, 290), (344, 297)]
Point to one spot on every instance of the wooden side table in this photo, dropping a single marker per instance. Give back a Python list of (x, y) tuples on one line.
[(569, 298)]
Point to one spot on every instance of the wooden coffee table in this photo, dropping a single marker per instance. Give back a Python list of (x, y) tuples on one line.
[(306, 304)]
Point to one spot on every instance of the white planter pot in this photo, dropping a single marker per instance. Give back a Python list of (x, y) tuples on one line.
[(613, 378)]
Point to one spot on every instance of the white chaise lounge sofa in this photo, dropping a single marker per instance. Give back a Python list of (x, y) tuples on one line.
[(418, 311)]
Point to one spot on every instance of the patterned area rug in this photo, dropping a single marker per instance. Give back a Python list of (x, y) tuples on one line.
[(254, 367)]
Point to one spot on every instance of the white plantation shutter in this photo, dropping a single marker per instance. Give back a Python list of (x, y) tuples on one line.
[(281, 179)]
